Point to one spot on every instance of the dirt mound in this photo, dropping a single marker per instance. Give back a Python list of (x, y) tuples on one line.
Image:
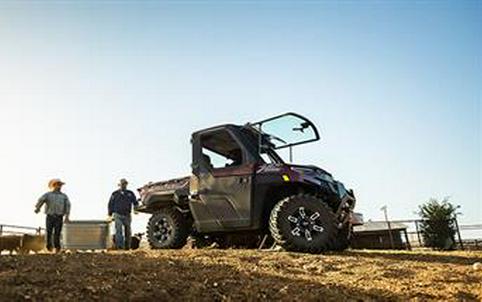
[(209, 275)]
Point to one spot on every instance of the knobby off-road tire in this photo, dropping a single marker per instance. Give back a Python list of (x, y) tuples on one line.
[(303, 223), (167, 229)]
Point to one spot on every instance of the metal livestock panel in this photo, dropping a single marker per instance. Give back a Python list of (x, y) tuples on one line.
[(86, 235)]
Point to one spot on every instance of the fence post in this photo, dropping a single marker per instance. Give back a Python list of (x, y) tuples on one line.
[(458, 234), (384, 209), (409, 247), (418, 234)]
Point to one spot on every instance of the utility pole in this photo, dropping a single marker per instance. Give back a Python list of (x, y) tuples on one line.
[(458, 229), (384, 209)]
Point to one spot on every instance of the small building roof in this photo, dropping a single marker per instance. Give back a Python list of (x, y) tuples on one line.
[(374, 226)]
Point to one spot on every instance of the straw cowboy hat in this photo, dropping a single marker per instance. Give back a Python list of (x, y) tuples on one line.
[(54, 182)]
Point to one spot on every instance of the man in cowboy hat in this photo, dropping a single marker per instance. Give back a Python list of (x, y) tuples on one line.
[(57, 209), (120, 206)]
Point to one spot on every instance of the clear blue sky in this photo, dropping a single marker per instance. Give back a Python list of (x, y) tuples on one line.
[(94, 91)]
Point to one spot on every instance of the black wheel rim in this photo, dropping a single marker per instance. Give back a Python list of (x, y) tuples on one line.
[(162, 230), (305, 224)]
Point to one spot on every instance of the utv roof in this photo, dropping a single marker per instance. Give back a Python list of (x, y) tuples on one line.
[(222, 126)]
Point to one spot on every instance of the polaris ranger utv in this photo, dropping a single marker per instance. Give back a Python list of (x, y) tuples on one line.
[(241, 188)]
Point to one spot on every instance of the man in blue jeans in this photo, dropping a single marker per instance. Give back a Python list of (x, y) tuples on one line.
[(57, 209), (120, 207)]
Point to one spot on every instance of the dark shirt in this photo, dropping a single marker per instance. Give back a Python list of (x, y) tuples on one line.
[(121, 202)]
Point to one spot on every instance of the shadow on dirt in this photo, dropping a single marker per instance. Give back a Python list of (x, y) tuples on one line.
[(137, 277), (418, 257)]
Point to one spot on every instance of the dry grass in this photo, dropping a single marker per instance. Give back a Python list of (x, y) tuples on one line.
[(243, 275)]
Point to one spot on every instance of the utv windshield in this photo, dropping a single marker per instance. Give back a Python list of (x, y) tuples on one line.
[(287, 130)]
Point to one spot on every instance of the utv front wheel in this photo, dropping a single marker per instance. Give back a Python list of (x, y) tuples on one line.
[(303, 223), (167, 229)]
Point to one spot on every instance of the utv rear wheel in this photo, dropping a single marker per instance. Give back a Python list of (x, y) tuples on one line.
[(167, 229), (303, 223)]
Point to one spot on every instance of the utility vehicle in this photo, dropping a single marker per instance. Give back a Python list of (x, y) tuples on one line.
[(241, 192)]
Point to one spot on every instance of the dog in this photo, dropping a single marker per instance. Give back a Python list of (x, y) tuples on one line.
[(34, 243), (135, 240), (11, 243)]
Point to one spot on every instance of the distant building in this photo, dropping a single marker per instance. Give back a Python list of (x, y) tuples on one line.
[(376, 235)]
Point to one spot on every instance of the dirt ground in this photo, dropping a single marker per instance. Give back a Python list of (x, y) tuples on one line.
[(241, 275)]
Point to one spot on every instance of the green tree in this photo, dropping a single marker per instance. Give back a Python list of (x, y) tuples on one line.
[(438, 223)]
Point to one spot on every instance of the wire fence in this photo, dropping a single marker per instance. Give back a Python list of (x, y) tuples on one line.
[(468, 236), (8, 229), (410, 237)]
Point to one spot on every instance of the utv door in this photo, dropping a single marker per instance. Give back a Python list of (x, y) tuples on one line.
[(222, 182)]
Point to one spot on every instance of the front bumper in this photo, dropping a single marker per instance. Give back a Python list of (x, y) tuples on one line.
[(344, 212)]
